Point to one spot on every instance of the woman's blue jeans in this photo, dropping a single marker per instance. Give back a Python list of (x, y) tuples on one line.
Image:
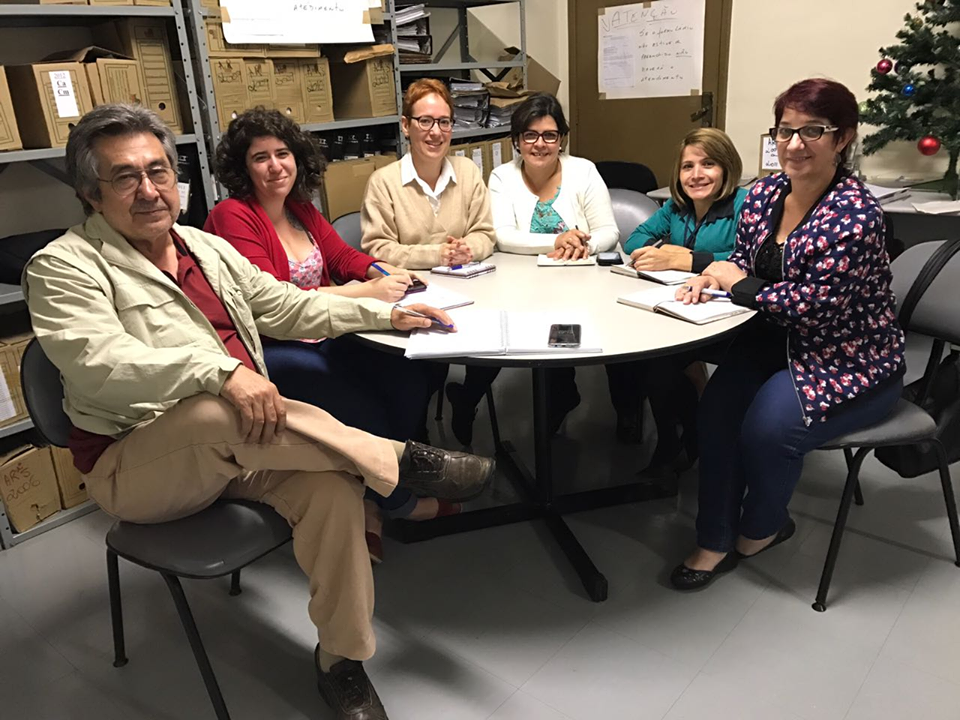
[(753, 439), (385, 395)]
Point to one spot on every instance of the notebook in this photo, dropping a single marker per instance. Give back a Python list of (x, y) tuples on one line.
[(662, 300), (465, 271), (501, 332), (544, 261), (437, 297), (667, 277)]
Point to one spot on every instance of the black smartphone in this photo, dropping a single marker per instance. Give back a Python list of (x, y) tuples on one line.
[(417, 285), (564, 336), (609, 258)]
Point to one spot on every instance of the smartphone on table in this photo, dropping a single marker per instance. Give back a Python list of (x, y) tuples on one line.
[(416, 286), (564, 336)]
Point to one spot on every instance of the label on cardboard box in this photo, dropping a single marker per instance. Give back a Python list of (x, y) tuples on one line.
[(63, 94), (476, 154), (260, 86), (28, 486), (317, 94)]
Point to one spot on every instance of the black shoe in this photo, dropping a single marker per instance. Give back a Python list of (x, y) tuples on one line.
[(629, 428), (785, 533), (683, 578), (348, 690), (463, 415), (444, 474)]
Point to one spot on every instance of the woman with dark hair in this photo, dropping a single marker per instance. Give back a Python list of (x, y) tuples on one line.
[(271, 169), (824, 354), (547, 201)]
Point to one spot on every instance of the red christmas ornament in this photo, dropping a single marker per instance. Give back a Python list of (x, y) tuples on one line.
[(928, 145), (884, 66)]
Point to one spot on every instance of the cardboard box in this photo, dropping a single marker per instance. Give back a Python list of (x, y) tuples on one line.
[(48, 100), (316, 92), (145, 40), (288, 86), (363, 83), (153, 3), (217, 45), (211, 4), (292, 51), (229, 88), (112, 77), (539, 79), (43, 2), (344, 183), (261, 89), (72, 486), (9, 135), (501, 151), (12, 407), (477, 153), (28, 486)]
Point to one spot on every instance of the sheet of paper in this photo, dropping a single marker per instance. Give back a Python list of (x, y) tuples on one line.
[(479, 332), (528, 333), (437, 297), (296, 21), (648, 50), (769, 160), (938, 207), (7, 408), (544, 261), (64, 94)]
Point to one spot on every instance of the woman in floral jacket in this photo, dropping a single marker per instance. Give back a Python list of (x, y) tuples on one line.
[(823, 356)]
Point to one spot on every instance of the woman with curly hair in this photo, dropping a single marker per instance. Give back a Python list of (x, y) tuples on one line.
[(271, 169)]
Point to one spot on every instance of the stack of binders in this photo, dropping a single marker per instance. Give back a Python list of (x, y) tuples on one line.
[(414, 41)]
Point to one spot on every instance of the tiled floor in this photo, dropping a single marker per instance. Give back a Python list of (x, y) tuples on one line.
[(494, 624)]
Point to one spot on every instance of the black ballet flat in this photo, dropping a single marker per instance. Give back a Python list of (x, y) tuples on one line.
[(683, 578), (785, 533)]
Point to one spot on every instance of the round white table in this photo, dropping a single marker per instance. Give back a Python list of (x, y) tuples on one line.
[(624, 333)]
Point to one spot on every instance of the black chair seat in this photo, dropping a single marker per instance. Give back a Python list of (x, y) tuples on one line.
[(224, 538), (906, 424)]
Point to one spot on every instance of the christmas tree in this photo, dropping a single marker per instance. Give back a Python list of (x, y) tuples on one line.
[(917, 86)]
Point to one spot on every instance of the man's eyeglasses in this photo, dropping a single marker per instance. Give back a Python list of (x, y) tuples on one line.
[(127, 183), (426, 123), (806, 133), (530, 137)]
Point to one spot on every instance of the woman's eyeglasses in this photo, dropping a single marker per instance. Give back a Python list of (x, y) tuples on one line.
[(807, 132), (530, 137), (426, 123)]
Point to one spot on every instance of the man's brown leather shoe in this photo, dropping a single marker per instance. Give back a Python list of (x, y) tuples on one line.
[(348, 690), (444, 474)]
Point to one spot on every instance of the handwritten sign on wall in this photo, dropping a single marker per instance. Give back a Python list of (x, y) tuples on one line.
[(296, 21), (651, 49)]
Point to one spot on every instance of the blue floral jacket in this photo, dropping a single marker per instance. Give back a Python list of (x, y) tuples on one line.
[(835, 298)]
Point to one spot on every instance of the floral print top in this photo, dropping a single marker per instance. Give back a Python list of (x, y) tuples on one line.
[(546, 220)]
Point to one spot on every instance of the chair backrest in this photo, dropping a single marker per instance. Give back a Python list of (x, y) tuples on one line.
[(43, 393), (348, 228), (627, 175), (631, 209), (936, 314)]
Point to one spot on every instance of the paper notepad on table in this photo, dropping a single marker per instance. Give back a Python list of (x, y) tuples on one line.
[(662, 300), (437, 297), (544, 261), (501, 332), (666, 277), (465, 271)]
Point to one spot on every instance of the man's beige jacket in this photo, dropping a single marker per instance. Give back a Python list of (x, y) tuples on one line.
[(129, 344)]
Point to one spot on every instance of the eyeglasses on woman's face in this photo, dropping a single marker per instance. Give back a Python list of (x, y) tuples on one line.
[(530, 137), (807, 133), (426, 123)]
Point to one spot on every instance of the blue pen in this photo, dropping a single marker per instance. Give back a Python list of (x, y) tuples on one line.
[(456, 267), (379, 269), (711, 292), (434, 320)]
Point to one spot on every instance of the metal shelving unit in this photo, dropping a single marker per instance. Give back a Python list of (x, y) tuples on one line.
[(73, 15)]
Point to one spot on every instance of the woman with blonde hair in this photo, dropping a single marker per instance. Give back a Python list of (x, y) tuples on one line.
[(695, 227)]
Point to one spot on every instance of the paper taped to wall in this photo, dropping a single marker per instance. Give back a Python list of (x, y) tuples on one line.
[(296, 21)]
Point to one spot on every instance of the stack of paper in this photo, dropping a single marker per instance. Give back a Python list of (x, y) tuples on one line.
[(470, 107), (469, 270), (662, 300), (414, 41), (544, 261), (886, 194)]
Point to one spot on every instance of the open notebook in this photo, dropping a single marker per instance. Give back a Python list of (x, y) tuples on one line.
[(469, 270), (437, 297), (501, 332), (662, 300), (544, 261), (667, 277)]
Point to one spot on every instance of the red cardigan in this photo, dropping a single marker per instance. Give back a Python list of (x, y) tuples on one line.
[(245, 225)]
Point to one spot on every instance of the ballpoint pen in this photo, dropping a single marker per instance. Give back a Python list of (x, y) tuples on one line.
[(414, 313)]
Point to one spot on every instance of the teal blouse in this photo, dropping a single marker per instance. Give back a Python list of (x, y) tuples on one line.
[(545, 220), (712, 239)]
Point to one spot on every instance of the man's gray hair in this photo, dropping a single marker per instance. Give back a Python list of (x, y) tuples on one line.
[(110, 120)]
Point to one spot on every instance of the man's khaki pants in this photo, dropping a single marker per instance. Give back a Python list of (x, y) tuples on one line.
[(311, 474)]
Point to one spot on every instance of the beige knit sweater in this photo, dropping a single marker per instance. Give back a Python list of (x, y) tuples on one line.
[(399, 226)]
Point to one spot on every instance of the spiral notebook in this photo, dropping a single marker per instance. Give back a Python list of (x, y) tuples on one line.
[(469, 270), (501, 332), (662, 300)]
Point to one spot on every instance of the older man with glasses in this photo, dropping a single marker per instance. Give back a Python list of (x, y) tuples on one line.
[(155, 329)]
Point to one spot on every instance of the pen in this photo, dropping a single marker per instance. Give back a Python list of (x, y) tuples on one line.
[(379, 269), (710, 291), (456, 267), (658, 243), (414, 313)]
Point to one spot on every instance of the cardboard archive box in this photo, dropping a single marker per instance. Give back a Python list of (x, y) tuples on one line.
[(28, 486), (288, 85), (73, 488), (145, 40), (12, 407), (363, 83), (9, 135), (48, 99), (316, 91), (217, 45), (345, 182), (501, 151), (229, 88), (261, 89), (112, 77)]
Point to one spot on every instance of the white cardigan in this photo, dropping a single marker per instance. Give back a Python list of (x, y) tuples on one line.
[(583, 203)]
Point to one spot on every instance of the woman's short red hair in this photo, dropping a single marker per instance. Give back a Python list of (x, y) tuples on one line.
[(419, 89), (823, 98)]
